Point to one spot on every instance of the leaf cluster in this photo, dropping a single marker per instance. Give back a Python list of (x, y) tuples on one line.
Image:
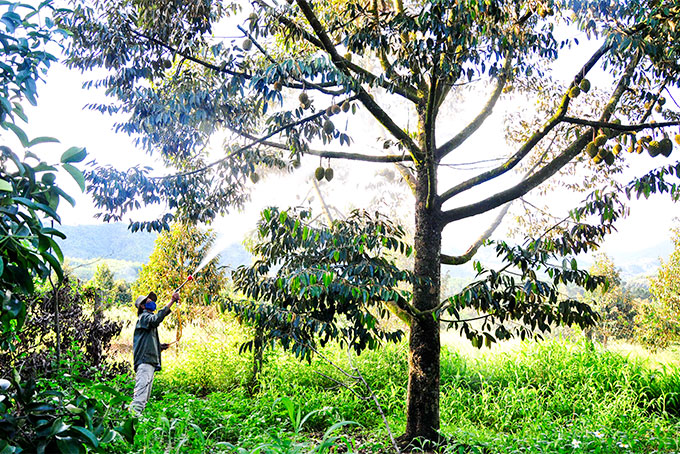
[(312, 284), (67, 421)]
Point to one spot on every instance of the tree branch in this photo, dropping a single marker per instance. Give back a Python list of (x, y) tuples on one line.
[(533, 140), (619, 127), (363, 96), (475, 124), (407, 92), (331, 154), (548, 170), (472, 250)]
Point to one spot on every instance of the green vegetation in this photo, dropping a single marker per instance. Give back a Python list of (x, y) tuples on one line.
[(554, 396)]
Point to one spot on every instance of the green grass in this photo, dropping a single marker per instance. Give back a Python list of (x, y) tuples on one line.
[(556, 396)]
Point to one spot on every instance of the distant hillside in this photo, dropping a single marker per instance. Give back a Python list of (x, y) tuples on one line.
[(87, 246), (109, 241)]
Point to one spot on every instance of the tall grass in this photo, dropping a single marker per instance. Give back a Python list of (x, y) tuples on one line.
[(551, 396)]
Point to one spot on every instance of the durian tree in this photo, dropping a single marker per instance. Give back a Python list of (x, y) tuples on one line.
[(278, 79)]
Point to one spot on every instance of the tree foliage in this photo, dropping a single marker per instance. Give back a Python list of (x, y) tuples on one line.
[(29, 197), (613, 302), (304, 69), (177, 254), (659, 319)]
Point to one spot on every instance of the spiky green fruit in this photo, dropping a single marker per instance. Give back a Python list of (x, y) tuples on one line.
[(328, 174), (574, 92), (600, 140), (591, 149), (319, 173), (304, 97), (247, 44), (328, 127), (254, 177), (666, 147), (609, 159), (585, 85), (654, 148)]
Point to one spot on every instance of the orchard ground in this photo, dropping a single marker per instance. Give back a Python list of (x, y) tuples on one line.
[(556, 396)]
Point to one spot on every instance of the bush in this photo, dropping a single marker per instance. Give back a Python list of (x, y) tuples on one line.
[(81, 344)]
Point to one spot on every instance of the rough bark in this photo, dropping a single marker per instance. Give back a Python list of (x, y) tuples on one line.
[(422, 419)]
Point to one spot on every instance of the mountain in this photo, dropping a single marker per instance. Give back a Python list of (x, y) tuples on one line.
[(108, 241), (87, 246)]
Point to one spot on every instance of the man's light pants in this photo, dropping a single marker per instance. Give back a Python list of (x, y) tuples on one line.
[(143, 382)]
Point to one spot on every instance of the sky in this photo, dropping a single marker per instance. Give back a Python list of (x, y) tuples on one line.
[(60, 113)]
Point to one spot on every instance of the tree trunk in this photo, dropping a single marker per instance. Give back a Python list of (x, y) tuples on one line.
[(422, 417)]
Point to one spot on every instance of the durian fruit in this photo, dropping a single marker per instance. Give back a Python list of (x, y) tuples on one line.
[(304, 97), (677, 139), (296, 163), (639, 148), (328, 174), (328, 127), (609, 158), (585, 85), (662, 101), (654, 148), (617, 149), (345, 108), (600, 140), (319, 173), (348, 57), (574, 92), (278, 85), (658, 108), (592, 149), (597, 159), (335, 109), (247, 44), (329, 111), (666, 147), (254, 177), (167, 64)]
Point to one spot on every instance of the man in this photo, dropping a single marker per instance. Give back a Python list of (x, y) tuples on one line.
[(147, 348)]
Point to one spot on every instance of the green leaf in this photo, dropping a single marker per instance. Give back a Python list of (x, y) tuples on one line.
[(23, 138), (74, 154), (89, 436), (42, 139), (70, 445), (76, 174), (58, 426), (6, 186)]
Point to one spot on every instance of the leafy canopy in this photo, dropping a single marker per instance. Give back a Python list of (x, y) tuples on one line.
[(29, 197)]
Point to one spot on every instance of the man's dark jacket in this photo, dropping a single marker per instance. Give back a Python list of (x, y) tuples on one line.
[(146, 346)]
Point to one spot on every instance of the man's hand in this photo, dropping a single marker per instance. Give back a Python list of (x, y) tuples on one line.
[(175, 297), (164, 346)]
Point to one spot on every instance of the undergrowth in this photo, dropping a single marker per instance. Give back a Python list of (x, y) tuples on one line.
[(556, 396)]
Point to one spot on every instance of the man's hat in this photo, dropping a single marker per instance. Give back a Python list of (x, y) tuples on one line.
[(152, 296)]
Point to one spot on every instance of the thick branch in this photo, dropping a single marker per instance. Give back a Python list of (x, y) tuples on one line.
[(472, 250), (619, 127), (533, 140), (475, 124), (407, 92), (548, 170), (363, 96), (330, 154)]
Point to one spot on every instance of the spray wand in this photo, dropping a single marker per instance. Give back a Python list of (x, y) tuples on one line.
[(179, 325), (189, 278)]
